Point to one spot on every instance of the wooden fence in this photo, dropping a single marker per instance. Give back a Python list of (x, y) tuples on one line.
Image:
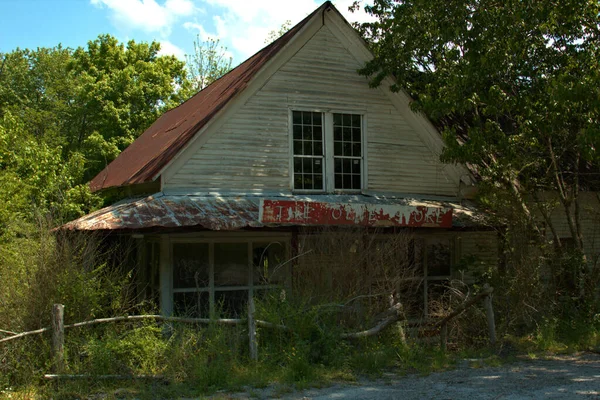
[(394, 314)]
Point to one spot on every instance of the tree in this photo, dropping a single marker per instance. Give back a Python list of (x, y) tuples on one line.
[(122, 90), (512, 85), (94, 100), (208, 63)]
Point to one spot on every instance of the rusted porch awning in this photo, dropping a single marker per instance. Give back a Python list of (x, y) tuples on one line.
[(237, 212)]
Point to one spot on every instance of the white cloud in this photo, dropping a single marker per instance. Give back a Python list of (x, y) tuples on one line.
[(167, 49), (147, 15), (244, 25)]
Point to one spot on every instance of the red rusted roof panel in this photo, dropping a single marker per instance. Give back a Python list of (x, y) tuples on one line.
[(231, 213), (150, 152)]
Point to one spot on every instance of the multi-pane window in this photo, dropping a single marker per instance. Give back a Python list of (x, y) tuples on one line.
[(347, 150), (308, 150), (327, 151), (216, 278)]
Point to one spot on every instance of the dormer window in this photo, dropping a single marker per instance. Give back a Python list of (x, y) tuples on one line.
[(327, 151)]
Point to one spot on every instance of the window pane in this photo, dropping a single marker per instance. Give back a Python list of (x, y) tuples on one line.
[(347, 182), (308, 133), (317, 166), (355, 181), (347, 149), (307, 164), (316, 118), (319, 181), (337, 148), (338, 181), (296, 117), (347, 134), (297, 164), (298, 181), (297, 132), (356, 166), (356, 150), (269, 260), (231, 304), (317, 133), (337, 133), (337, 119), (338, 165), (308, 150), (346, 119), (298, 147), (356, 134), (190, 265), (195, 305), (306, 118), (318, 148), (347, 165), (231, 264), (355, 120)]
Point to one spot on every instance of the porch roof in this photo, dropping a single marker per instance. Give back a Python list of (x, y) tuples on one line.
[(216, 212)]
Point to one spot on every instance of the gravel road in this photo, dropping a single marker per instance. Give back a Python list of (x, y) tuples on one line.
[(557, 377)]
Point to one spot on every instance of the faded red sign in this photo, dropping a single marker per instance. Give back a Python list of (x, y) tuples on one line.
[(317, 213)]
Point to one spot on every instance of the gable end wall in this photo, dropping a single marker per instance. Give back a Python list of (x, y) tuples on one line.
[(251, 151)]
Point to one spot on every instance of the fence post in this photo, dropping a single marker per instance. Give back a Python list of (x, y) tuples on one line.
[(489, 312), (252, 330), (58, 337)]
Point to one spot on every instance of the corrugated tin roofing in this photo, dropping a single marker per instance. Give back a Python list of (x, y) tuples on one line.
[(232, 213), (149, 153)]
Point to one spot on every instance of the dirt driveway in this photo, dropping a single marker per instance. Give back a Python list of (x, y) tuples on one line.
[(560, 377)]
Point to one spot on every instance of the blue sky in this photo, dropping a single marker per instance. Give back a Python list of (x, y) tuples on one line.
[(241, 25)]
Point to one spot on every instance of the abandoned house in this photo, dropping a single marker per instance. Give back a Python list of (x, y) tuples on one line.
[(290, 169)]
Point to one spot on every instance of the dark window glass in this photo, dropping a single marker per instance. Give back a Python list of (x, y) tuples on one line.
[(269, 260), (190, 265), (231, 264)]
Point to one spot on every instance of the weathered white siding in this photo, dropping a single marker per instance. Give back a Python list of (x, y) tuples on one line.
[(590, 224), (251, 151)]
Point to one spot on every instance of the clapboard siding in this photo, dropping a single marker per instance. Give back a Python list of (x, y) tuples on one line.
[(251, 151), (590, 223)]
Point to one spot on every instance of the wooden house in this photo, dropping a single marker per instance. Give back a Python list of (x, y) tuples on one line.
[(229, 193)]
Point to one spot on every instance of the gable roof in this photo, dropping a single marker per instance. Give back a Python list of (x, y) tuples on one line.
[(149, 153)]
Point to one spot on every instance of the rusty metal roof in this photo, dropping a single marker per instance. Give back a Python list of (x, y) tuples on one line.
[(231, 213), (150, 152)]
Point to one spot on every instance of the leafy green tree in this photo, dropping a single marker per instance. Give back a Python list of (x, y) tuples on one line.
[(208, 63), (513, 85), (123, 90)]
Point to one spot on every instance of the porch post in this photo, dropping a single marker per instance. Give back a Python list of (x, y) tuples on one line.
[(166, 277)]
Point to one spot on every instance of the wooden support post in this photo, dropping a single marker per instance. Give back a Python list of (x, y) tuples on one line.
[(443, 336), (489, 312), (252, 330), (58, 337)]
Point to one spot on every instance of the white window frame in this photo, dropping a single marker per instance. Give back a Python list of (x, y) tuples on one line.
[(328, 150), (249, 240)]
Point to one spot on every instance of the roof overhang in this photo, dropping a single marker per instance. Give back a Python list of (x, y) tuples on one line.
[(223, 213)]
